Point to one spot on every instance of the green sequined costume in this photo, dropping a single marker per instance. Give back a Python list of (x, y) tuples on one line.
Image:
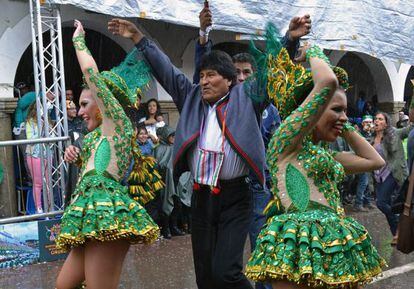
[(307, 238), (101, 208)]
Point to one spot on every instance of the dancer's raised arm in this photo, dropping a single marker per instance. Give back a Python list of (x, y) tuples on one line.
[(111, 111), (304, 118), (170, 77), (364, 157)]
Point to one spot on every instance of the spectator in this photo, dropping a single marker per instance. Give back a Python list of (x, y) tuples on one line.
[(410, 140), (360, 104), (369, 109), (387, 140), (20, 115), (153, 119), (69, 94), (345, 187), (170, 207), (185, 192), (75, 123), (144, 142), (362, 201), (403, 120), (137, 115), (34, 157)]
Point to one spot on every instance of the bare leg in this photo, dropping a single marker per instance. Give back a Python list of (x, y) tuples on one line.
[(103, 263), (72, 273)]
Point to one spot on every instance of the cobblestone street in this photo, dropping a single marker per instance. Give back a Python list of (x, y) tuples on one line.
[(168, 264)]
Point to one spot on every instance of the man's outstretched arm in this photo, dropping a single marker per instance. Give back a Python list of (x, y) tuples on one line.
[(170, 77)]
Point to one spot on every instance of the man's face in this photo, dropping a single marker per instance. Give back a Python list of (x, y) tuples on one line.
[(69, 94), (244, 70), (213, 85), (71, 112), (367, 125)]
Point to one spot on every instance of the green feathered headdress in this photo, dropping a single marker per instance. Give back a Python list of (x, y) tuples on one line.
[(127, 80), (283, 82)]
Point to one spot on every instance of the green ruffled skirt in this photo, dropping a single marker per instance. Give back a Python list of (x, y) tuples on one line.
[(317, 248), (103, 211)]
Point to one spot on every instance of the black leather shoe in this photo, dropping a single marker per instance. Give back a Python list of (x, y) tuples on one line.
[(166, 233), (175, 231)]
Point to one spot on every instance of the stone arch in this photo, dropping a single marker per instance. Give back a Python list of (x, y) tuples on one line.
[(382, 86), (13, 43), (409, 86), (17, 39)]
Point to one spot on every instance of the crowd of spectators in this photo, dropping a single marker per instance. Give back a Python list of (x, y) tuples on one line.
[(382, 186)]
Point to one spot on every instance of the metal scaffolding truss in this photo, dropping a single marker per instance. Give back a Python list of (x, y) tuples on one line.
[(49, 79)]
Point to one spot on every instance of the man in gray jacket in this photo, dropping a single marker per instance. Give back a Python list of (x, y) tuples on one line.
[(218, 139)]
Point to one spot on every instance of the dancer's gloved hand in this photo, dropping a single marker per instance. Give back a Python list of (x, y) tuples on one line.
[(299, 26), (125, 29), (71, 154)]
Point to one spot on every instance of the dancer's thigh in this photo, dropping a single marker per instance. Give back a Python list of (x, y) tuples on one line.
[(72, 273), (103, 263)]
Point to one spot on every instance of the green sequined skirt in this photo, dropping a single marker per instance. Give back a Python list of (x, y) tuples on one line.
[(103, 211), (317, 248)]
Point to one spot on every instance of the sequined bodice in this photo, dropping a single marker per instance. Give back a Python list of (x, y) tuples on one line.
[(310, 174), (108, 152)]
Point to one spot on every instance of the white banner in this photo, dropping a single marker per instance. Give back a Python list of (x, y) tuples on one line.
[(381, 28)]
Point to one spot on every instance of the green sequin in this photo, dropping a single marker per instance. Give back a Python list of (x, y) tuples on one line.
[(283, 137), (123, 126), (349, 127), (310, 243), (80, 44), (102, 156), (316, 51), (101, 208), (297, 187)]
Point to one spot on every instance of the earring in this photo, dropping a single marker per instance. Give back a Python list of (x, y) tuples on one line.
[(99, 116)]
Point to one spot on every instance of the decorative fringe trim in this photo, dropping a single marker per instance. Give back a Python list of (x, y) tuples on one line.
[(318, 280), (147, 236)]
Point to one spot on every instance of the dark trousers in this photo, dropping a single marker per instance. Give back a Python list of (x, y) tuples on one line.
[(385, 191), (261, 196), (362, 190), (219, 230)]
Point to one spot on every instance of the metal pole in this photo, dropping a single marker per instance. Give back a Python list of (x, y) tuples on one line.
[(29, 217), (47, 187), (63, 167), (33, 141)]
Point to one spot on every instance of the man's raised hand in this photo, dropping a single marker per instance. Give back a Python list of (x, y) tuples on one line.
[(299, 26), (125, 29)]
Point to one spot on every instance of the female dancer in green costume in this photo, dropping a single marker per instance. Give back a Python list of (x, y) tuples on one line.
[(307, 241), (102, 220)]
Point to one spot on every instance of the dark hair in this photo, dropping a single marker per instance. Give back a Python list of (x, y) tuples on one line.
[(389, 132), (141, 126), (132, 113), (245, 58), (221, 62), (157, 113)]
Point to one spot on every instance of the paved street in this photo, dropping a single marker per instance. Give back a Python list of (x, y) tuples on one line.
[(168, 264)]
